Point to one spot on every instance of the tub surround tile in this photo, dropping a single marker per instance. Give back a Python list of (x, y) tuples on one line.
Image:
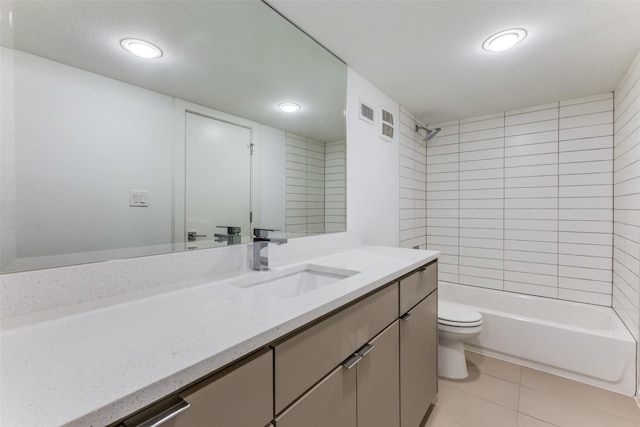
[(540, 175), (413, 183), (626, 166)]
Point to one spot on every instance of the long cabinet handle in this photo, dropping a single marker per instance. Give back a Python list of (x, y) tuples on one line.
[(421, 269), (352, 361), (366, 349), (406, 316), (165, 415)]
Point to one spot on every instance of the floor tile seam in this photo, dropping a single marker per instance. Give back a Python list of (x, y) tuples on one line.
[(583, 406), (485, 399), (538, 419), (613, 411), (497, 377), (451, 418), (519, 395), (460, 423)]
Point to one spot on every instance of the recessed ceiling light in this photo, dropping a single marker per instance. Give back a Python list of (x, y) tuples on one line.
[(504, 40), (141, 48), (289, 107)]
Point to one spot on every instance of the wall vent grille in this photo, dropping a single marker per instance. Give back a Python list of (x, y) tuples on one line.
[(387, 117), (387, 131), (367, 113), (386, 125)]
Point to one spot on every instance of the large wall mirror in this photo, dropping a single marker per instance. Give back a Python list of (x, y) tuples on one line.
[(107, 155)]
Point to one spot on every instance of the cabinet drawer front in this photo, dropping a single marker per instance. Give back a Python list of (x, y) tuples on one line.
[(379, 381), (242, 396), (305, 358), (330, 403), (416, 287)]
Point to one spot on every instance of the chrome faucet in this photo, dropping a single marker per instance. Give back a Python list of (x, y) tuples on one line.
[(232, 237), (261, 242)]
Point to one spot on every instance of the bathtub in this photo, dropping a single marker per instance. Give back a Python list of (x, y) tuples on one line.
[(583, 342)]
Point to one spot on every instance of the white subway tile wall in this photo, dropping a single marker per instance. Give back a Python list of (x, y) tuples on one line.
[(626, 189), (443, 219), (481, 202), (531, 197), (413, 182), (585, 237), (315, 186), (519, 201), (335, 197)]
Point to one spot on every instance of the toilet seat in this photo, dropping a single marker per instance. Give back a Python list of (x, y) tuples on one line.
[(456, 315)]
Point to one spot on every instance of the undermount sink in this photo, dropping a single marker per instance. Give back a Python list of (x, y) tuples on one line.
[(300, 282)]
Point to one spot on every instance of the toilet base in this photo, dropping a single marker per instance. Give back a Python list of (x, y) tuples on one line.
[(451, 361)]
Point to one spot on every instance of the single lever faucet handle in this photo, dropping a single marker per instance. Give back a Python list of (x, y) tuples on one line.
[(262, 233), (231, 229)]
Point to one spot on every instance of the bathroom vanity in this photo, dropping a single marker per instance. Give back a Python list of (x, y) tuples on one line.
[(359, 350)]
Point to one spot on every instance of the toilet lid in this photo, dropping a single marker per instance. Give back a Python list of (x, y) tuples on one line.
[(450, 313)]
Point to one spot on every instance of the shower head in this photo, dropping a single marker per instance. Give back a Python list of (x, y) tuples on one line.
[(430, 132)]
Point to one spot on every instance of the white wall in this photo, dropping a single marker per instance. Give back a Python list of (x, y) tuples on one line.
[(372, 168), (626, 248), (521, 201), (74, 169)]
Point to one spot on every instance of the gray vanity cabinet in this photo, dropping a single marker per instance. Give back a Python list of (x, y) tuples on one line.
[(362, 392), (417, 286), (379, 382), (306, 357), (369, 364), (418, 346), (331, 402), (241, 395)]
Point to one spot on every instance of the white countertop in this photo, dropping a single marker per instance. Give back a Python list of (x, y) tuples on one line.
[(91, 367)]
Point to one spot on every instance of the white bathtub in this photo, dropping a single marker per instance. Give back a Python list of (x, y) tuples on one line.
[(583, 342)]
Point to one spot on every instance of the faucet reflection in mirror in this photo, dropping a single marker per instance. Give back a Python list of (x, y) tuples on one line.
[(261, 242), (231, 238)]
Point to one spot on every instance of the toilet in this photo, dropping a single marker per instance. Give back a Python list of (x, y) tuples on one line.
[(457, 324)]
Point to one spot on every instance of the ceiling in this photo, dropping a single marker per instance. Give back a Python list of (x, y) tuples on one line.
[(427, 55)]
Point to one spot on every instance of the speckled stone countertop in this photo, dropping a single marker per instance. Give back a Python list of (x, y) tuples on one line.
[(93, 364)]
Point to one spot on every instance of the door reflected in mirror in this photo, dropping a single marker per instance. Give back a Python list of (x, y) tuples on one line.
[(218, 181)]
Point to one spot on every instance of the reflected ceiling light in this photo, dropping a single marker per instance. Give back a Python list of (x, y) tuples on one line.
[(289, 107), (141, 48), (504, 40)]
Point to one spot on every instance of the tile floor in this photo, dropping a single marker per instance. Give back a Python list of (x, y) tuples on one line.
[(502, 394)]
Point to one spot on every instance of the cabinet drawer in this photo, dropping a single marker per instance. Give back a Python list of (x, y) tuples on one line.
[(332, 402), (417, 286), (305, 358), (241, 395), (379, 381)]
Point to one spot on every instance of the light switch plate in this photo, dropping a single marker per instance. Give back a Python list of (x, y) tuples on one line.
[(138, 198)]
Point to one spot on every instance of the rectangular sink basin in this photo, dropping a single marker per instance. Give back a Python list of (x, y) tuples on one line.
[(300, 282)]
